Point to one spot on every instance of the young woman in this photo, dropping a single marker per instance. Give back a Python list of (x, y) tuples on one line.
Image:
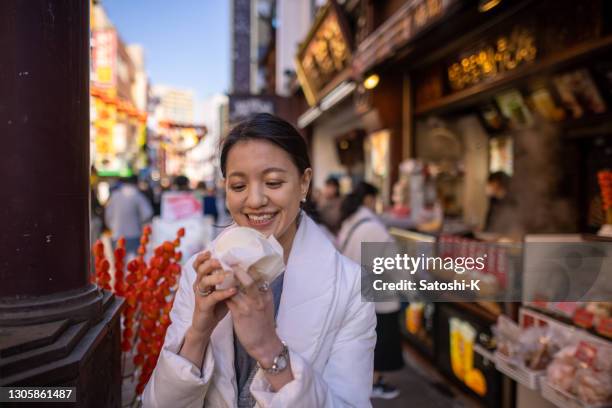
[(304, 340), (360, 224)]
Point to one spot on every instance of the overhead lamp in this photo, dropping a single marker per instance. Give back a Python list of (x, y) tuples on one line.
[(486, 5), (371, 81)]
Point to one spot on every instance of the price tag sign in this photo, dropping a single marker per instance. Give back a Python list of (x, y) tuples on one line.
[(583, 318), (605, 326), (566, 308)]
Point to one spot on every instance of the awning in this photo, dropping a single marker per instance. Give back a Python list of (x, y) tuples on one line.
[(337, 95)]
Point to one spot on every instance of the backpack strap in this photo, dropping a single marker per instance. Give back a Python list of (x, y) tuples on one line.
[(352, 230)]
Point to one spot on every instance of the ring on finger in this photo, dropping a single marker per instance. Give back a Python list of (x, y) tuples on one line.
[(205, 292), (264, 287)]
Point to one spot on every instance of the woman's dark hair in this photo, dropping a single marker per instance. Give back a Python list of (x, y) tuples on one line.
[(354, 200), (273, 129), (333, 181)]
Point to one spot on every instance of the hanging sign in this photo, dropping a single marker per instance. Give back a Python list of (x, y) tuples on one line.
[(325, 53)]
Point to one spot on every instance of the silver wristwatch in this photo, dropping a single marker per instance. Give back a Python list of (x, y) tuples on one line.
[(280, 362)]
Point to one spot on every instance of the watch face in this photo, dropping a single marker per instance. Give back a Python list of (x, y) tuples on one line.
[(281, 363)]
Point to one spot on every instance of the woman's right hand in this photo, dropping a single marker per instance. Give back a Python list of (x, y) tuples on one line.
[(209, 309)]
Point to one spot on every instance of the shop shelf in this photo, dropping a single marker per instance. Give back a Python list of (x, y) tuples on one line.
[(564, 399), (538, 318), (519, 373), (484, 353)]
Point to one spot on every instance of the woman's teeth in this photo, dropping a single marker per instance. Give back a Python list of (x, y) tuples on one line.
[(260, 218)]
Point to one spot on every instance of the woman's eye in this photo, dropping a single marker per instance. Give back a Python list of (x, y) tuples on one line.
[(237, 187), (274, 184)]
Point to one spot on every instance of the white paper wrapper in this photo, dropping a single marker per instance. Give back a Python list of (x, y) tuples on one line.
[(241, 248)]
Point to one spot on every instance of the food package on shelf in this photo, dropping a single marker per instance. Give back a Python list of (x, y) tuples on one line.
[(583, 370), (507, 334), (599, 309), (594, 387), (562, 371), (532, 347), (595, 315), (538, 345), (602, 313)]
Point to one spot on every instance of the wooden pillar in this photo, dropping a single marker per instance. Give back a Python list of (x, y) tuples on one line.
[(51, 318)]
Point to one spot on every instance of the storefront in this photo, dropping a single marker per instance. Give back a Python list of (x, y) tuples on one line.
[(515, 102), (448, 94), (323, 68), (514, 94), (355, 133)]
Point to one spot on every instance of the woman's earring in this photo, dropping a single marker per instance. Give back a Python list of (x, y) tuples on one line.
[(303, 200)]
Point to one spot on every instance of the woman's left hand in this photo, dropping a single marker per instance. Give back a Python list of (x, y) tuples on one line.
[(253, 316)]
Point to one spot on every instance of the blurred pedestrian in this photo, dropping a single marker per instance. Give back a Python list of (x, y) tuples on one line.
[(181, 183), (360, 224), (126, 212), (209, 200), (96, 210), (147, 191), (501, 215), (328, 204), (157, 191), (310, 208)]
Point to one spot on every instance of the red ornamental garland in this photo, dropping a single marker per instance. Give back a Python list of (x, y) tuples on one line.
[(149, 290), (604, 177), (157, 290), (119, 266), (102, 266)]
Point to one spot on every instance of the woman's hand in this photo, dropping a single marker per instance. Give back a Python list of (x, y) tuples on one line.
[(254, 325), (209, 309)]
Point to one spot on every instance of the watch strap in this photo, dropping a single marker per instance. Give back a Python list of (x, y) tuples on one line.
[(276, 366)]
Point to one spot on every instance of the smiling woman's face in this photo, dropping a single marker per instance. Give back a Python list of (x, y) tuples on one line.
[(264, 188)]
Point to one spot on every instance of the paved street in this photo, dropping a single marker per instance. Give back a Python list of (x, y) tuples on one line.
[(421, 387)]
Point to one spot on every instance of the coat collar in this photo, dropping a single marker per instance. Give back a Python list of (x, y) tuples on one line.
[(309, 286)]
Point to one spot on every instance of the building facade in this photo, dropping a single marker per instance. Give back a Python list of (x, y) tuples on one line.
[(265, 36), (173, 104), (118, 100)]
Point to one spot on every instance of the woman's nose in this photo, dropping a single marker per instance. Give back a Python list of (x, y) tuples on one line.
[(257, 197)]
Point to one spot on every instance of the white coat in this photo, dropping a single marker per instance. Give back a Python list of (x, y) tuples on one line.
[(329, 331)]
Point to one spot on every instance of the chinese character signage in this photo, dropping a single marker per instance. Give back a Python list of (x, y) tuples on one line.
[(104, 54), (325, 53), (104, 125), (243, 106), (506, 54)]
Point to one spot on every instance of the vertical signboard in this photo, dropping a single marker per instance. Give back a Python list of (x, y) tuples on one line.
[(104, 55)]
